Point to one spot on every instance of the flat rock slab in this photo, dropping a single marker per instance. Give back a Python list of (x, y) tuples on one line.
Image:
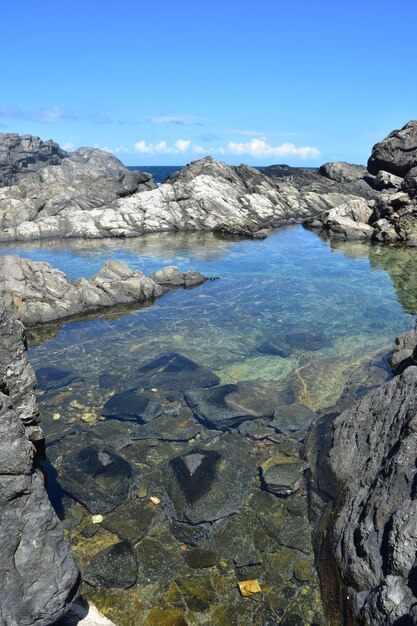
[(133, 519), (176, 426), (115, 567), (156, 562), (210, 481), (227, 406), (289, 418), (176, 373), (51, 378), (96, 477), (132, 406), (282, 475)]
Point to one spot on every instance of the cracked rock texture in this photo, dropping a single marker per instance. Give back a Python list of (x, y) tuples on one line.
[(41, 293), (39, 577), (374, 535)]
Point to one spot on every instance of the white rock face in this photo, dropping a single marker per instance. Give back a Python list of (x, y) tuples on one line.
[(90, 196), (349, 220)]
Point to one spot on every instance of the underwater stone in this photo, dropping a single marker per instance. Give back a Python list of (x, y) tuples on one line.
[(96, 477), (282, 475), (190, 534), (49, 378), (156, 562), (275, 347), (133, 520), (290, 418), (228, 406), (175, 372), (131, 405), (213, 482), (114, 567)]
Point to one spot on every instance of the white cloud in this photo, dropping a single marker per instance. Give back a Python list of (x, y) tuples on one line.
[(118, 150), (67, 146), (258, 147), (54, 114), (180, 120), (182, 145)]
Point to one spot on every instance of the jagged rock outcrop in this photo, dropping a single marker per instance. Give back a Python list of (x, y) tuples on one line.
[(343, 172), (21, 155), (42, 293), (90, 194), (394, 215), (397, 153), (39, 577)]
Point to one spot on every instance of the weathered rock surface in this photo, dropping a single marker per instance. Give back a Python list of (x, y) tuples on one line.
[(38, 574), (171, 276), (21, 155), (397, 153), (113, 567), (42, 293), (342, 172), (373, 458), (174, 372), (349, 220)]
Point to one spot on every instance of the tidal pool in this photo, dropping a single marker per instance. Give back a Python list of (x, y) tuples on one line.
[(182, 423)]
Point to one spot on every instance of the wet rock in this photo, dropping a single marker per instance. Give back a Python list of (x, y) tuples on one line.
[(228, 406), (133, 520), (397, 153), (289, 418), (165, 617), (175, 372), (275, 347), (245, 231), (96, 477), (172, 277), (404, 351), (176, 425), (241, 540), (156, 562), (196, 480), (283, 475), (115, 567), (190, 534), (131, 406), (199, 558), (51, 378)]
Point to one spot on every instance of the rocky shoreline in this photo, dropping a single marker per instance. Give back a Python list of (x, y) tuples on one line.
[(46, 192)]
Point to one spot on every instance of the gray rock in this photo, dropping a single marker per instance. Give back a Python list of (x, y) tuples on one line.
[(397, 153), (342, 172), (171, 276), (282, 476), (228, 406), (374, 535), (403, 351), (42, 293), (211, 481), (385, 180), (22, 155), (348, 221), (131, 405), (410, 182), (114, 567), (175, 372), (39, 576), (95, 476)]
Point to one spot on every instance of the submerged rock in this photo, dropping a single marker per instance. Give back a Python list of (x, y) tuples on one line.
[(175, 372), (95, 476), (228, 406), (115, 567), (132, 406), (171, 276), (210, 481), (283, 475)]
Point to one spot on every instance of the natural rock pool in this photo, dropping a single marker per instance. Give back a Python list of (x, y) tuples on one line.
[(182, 424)]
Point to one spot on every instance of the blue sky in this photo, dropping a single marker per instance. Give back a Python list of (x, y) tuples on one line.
[(168, 81)]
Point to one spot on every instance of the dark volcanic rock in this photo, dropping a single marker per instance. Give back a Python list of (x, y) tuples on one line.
[(175, 372), (114, 567), (397, 153), (245, 231), (282, 475), (374, 537), (38, 574), (410, 182), (404, 351), (228, 406), (21, 155), (211, 481), (131, 405), (96, 477), (156, 562), (133, 520)]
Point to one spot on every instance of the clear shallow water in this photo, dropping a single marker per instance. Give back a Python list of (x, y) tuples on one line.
[(335, 309)]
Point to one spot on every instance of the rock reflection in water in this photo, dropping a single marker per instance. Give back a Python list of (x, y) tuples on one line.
[(195, 472)]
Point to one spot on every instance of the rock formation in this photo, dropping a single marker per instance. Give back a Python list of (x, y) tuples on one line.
[(39, 576), (41, 293), (390, 216)]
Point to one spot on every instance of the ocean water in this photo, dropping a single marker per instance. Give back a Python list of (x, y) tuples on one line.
[(294, 321)]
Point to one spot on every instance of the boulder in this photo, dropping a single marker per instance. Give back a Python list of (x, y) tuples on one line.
[(228, 406), (114, 567), (349, 220), (96, 477), (210, 481), (410, 182), (171, 277), (385, 180), (342, 172), (397, 153), (403, 351), (174, 372), (23, 155)]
